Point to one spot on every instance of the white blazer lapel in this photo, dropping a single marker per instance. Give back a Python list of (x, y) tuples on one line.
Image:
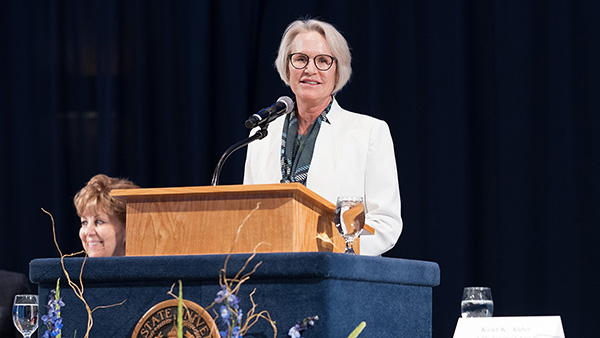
[(325, 160), (273, 163)]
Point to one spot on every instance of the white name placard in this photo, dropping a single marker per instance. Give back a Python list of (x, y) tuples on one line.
[(510, 327)]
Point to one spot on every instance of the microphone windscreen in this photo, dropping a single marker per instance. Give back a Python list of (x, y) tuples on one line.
[(289, 103)]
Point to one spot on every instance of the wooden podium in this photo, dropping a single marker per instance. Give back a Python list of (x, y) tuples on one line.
[(206, 220)]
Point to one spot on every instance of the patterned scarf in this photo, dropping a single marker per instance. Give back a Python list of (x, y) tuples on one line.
[(297, 150)]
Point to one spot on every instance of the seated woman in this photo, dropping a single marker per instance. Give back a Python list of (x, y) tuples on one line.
[(102, 231)]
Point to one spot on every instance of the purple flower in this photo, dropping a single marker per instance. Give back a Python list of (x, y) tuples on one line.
[(236, 332), (296, 330), (221, 295), (225, 313), (233, 300), (239, 316), (52, 320), (225, 295), (230, 309)]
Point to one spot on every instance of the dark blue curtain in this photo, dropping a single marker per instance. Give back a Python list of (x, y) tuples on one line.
[(493, 106)]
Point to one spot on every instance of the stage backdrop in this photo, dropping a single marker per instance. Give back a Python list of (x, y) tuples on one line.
[(493, 107)]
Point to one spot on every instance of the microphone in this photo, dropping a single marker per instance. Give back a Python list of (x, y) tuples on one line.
[(283, 106)]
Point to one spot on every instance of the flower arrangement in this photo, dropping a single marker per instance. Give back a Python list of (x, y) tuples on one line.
[(53, 320), (229, 311)]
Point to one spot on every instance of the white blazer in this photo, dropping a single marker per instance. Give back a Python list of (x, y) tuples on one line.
[(353, 156)]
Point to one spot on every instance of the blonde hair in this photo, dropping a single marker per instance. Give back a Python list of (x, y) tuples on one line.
[(95, 196), (335, 40)]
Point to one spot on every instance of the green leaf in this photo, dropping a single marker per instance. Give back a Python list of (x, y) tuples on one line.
[(358, 330), (180, 313)]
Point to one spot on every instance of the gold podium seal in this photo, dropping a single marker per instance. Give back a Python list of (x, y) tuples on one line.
[(161, 322)]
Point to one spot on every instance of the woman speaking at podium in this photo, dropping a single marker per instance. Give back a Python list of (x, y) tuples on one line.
[(332, 151)]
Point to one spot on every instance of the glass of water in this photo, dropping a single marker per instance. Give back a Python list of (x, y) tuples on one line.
[(349, 220), (477, 302), (25, 314)]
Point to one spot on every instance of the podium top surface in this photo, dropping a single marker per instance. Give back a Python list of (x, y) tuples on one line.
[(274, 266), (228, 190)]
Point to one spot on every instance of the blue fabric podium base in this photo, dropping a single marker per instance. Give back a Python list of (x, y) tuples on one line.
[(393, 296)]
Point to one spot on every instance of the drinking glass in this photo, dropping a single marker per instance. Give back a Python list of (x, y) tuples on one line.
[(25, 314), (477, 302), (349, 219)]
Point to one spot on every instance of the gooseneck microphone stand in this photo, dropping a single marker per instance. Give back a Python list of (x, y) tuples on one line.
[(259, 135)]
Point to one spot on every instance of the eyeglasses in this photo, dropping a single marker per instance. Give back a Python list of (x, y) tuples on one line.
[(322, 61)]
